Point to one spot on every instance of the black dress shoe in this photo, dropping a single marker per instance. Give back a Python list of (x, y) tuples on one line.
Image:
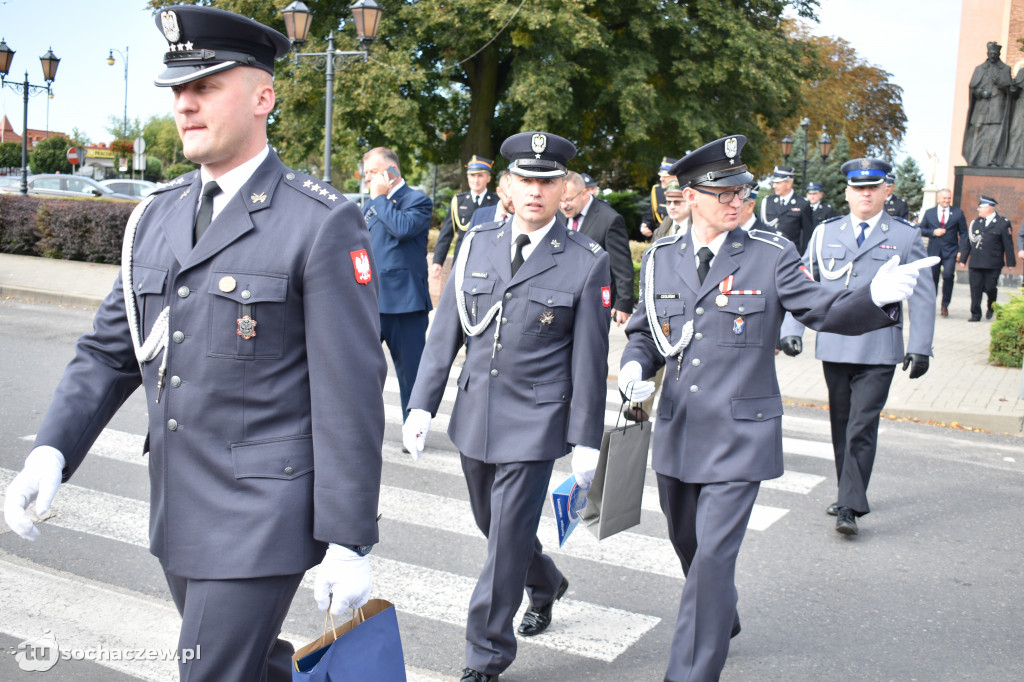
[(470, 675), (845, 521), (832, 509), (735, 628), (537, 618), (974, 319), (989, 313)]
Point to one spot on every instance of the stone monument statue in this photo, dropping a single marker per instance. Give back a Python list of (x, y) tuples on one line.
[(988, 111)]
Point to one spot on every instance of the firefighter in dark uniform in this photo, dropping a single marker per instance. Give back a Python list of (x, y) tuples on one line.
[(989, 245), (658, 209), (820, 210), (478, 175), (895, 206), (786, 212)]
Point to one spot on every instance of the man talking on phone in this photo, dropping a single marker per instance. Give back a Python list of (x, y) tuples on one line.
[(398, 218)]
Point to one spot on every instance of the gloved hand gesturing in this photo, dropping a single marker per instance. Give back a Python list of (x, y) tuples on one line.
[(584, 464), (894, 282), (917, 363), (414, 432), (632, 385), (39, 481), (342, 580)]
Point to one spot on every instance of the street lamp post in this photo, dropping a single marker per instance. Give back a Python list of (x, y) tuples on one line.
[(124, 58), (824, 146), (297, 18), (49, 63)]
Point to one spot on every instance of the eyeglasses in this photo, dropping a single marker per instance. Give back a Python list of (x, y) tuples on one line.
[(568, 199), (726, 197)]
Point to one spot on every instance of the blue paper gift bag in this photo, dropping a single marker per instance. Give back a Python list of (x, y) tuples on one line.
[(368, 647)]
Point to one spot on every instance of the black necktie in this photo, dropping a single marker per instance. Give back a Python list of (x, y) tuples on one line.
[(517, 260), (205, 214), (860, 233), (705, 255)]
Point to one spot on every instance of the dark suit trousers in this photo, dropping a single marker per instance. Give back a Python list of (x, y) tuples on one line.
[(983, 281), (234, 625), (856, 395), (405, 334), (706, 524), (948, 267), (507, 500)]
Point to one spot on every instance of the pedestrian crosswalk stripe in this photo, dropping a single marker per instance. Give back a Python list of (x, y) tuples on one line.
[(586, 629)]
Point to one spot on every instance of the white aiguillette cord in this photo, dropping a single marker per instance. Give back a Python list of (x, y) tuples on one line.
[(460, 297), (158, 336), (661, 341)]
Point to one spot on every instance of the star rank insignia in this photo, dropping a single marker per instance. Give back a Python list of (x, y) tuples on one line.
[(307, 184), (258, 198)]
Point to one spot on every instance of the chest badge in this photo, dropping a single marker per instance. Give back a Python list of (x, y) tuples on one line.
[(227, 284), (737, 326), (246, 327), (547, 317), (721, 300), (666, 329)]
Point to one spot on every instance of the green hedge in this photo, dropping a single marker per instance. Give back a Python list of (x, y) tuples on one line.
[(1006, 347), (88, 230)]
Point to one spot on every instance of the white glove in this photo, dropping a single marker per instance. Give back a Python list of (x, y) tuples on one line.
[(631, 384), (342, 580), (584, 464), (414, 432), (38, 481), (894, 282)]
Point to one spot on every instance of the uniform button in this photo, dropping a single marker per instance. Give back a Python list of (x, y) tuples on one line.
[(855, 274), (550, 301), (498, 346), (494, 372), (474, 290), (698, 336), (760, 415), (504, 320), (693, 389), (695, 362), (178, 337), (138, 287), (289, 470), (742, 309), (508, 295), (175, 381), (699, 311), (183, 292), (172, 425), (246, 294)]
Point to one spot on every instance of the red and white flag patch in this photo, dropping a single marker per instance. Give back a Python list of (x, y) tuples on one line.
[(361, 266), (803, 269), (606, 297)]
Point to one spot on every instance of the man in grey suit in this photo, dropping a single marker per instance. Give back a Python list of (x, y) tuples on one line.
[(233, 310), (598, 220), (843, 255), (529, 300), (711, 302)]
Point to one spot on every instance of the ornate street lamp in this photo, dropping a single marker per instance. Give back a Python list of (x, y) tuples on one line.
[(787, 148), (124, 58), (824, 146), (49, 62), (297, 20)]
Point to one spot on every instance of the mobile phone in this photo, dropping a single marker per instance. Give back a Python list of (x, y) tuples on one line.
[(392, 173)]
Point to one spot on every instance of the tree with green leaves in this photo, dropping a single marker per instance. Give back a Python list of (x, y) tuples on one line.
[(628, 82), (10, 155), (909, 184), (50, 155)]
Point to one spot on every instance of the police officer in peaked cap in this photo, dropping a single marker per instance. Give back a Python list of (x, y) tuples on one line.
[(529, 300), (232, 310), (460, 212), (845, 253), (787, 212), (711, 304)]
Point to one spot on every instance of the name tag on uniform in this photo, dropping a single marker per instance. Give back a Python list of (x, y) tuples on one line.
[(669, 296), (480, 275)]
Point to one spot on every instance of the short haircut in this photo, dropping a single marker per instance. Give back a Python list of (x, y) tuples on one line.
[(575, 179), (387, 154)]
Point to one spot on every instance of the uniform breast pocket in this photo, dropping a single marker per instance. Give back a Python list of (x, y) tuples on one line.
[(148, 282), (247, 315), (478, 296), (832, 253), (549, 313), (741, 321), (671, 317)]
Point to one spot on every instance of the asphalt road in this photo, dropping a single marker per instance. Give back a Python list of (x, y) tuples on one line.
[(929, 590)]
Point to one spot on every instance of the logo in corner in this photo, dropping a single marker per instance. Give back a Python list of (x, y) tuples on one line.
[(38, 655), (361, 266)]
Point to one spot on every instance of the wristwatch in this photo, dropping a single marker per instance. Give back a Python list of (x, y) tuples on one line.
[(361, 550)]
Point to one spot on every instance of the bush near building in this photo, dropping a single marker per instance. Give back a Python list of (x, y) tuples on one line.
[(1006, 346), (88, 230)]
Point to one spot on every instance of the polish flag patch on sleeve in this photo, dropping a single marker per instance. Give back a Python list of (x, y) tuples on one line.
[(361, 266), (606, 297), (803, 269)]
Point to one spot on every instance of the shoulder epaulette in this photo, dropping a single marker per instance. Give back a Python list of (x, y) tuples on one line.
[(902, 221), (584, 241), (831, 220), (489, 225), (769, 238), (184, 179), (313, 188), (668, 239)]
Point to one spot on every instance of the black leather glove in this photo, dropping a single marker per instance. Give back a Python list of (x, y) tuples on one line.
[(791, 345), (917, 363)]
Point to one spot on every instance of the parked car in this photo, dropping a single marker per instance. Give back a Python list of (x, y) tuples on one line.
[(135, 188), (10, 184), (57, 185)]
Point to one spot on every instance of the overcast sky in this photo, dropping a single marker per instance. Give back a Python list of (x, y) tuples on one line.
[(87, 91)]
